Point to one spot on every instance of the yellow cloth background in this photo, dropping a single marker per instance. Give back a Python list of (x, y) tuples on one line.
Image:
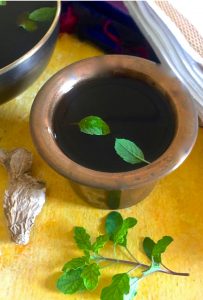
[(174, 208)]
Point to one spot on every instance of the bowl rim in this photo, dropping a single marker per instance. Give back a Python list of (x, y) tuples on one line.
[(51, 93), (37, 46)]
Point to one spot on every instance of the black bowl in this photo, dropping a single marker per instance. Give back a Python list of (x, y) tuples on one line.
[(17, 76)]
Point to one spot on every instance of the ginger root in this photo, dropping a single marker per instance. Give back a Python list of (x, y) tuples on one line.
[(25, 196)]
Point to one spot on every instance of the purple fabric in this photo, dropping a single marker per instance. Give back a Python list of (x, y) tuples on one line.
[(108, 25)]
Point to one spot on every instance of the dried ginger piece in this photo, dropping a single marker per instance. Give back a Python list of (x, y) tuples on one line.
[(25, 196)]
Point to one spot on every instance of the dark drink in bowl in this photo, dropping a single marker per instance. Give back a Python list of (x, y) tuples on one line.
[(26, 45)]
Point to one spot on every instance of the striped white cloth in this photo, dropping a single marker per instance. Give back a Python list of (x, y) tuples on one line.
[(175, 31)]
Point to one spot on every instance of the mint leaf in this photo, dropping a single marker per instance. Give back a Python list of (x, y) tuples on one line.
[(2, 2), (100, 242), (148, 245), (90, 275), (117, 228), (129, 222), (119, 287), (75, 263), (82, 238), (160, 248), (120, 237), (43, 14), (94, 125), (129, 151), (113, 223), (71, 282), (27, 24), (133, 289), (87, 255)]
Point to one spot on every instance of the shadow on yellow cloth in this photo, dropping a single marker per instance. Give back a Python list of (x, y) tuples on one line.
[(174, 208)]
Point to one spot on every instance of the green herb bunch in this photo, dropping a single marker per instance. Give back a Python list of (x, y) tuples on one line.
[(83, 273)]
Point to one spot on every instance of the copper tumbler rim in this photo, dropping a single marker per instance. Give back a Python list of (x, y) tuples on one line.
[(52, 92)]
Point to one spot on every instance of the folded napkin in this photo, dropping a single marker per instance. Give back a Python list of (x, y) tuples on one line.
[(174, 29)]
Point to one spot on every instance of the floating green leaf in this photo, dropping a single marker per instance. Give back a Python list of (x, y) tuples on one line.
[(160, 248), (71, 282), (27, 24), (90, 275), (129, 151), (2, 2), (119, 287), (94, 125), (113, 223), (148, 245), (43, 14), (100, 242), (133, 289), (82, 238), (75, 263)]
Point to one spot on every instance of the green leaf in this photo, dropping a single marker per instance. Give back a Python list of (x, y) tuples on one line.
[(43, 14), (160, 248), (87, 255), (90, 275), (120, 237), (82, 238), (94, 125), (113, 199), (2, 2), (119, 287), (129, 151), (113, 223), (100, 242), (129, 222), (27, 24), (133, 289), (75, 263), (117, 228), (71, 282), (148, 245)]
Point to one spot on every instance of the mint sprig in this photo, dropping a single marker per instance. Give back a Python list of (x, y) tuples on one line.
[(83, 273)]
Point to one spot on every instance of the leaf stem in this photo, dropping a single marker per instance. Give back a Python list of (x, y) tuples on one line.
[(131, 255), (146, 161), (122, 261), (106, 266), (128, 262), (168, 271), (133, 269)]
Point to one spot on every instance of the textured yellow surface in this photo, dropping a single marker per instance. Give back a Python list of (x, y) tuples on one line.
[(174, 208)]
